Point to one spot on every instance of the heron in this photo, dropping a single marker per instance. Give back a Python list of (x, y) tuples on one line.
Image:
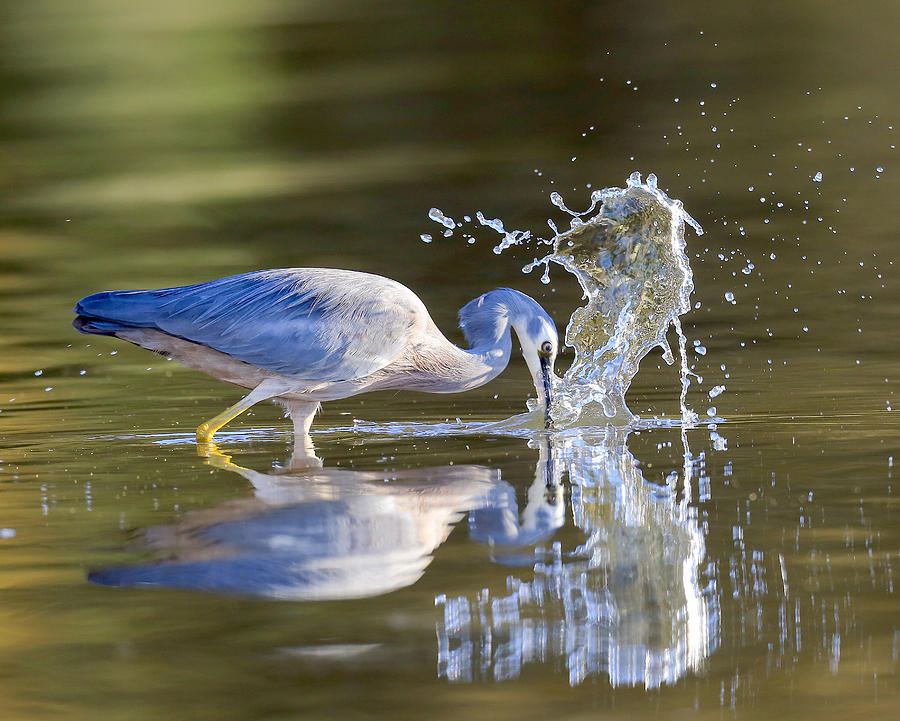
[(300, 336)]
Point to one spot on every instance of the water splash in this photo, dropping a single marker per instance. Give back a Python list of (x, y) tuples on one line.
[(510, 237), (630, 261)]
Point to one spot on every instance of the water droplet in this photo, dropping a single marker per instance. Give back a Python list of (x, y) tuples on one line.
[(438, 217), (716, 391), (496, 224)]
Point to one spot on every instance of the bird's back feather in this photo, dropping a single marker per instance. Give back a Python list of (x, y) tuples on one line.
[(317, 324)]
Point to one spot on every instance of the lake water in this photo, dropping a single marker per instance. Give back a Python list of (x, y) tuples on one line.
[(742, 567)]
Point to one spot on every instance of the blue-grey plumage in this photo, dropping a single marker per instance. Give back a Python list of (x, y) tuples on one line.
[(305, 335)]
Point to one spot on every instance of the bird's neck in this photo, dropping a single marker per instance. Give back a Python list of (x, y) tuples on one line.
[(450, 368), (485, 362)]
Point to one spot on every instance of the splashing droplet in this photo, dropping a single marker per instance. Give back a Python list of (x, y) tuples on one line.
[(438, 217)]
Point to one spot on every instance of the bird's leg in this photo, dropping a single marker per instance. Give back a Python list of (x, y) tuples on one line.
[(304, 454), (267, 389)]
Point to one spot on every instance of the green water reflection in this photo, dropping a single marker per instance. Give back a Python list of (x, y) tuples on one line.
[(147, 146)]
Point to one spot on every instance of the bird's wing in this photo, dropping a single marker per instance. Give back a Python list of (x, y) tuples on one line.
[(314, 324)]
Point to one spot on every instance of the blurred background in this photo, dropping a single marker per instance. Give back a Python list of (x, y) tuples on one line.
[(147, 145), (154, 144)]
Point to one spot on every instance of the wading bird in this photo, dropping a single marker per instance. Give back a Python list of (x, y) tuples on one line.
[(300, 336)]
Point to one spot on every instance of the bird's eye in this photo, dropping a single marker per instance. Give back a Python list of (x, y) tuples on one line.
[(546, 347)]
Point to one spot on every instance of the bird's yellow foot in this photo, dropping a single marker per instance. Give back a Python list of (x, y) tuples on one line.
[(207, 430), (205, 433)]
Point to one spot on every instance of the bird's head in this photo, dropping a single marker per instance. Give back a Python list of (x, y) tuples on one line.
[(488, 318), (537, 335)]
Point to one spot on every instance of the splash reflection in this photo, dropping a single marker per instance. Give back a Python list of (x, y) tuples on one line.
[(632, 600)]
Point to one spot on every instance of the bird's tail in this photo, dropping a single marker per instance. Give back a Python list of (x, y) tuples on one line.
[(94, 326), (109, 312)]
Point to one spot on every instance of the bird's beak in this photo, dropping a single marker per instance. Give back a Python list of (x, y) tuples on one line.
[(546, 371)]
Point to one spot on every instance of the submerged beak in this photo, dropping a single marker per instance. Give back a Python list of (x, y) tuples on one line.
[(546, 371)]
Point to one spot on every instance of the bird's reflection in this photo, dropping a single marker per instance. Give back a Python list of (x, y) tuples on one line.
[(499, 522), (629, 600), (313, 533)]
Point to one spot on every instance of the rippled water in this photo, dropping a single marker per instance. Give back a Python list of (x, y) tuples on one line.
[(740, 566)]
